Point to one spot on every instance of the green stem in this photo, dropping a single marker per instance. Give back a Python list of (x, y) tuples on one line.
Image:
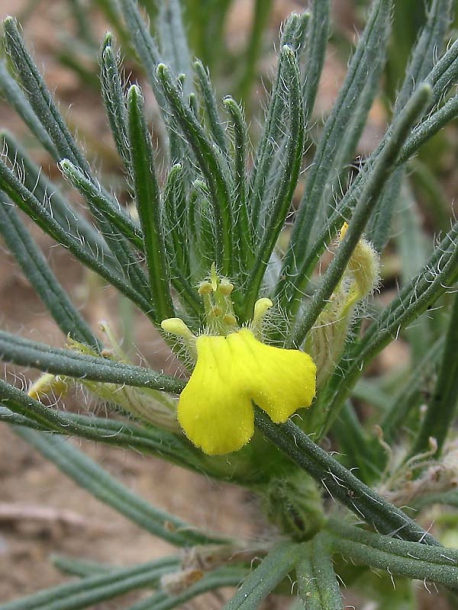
[(340, 483)]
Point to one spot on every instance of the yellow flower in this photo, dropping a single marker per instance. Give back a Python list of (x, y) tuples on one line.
[(215, 409)]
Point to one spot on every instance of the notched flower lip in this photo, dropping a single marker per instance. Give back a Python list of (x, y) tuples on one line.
[(232, 372)]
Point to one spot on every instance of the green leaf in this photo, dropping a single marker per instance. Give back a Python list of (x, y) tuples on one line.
[(359, 448), (422, 61), (74, 364), (368, 195), (101, 207), (316, 45), (339, 482), (443, 74), (425, 131), (40, 98), (48, 193), (414, 251), (449, 498), (149, 204), (318, 585), (263, 580), (113, 98), (443, 404), (428, 46), (275, 209), (171, 33), (145, 47), (272, 136), (26, 200), (150, 441), (261, 14), (92, 477), (433, 194), (368, 53), (411, 396), (240, 150), (46, 110), (223, 577), (16, 98), (411, 559), (209, 103), (96, 589), (37, 271), (213, 165), (81, 567)]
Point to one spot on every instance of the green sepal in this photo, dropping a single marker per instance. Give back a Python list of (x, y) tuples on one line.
[(294, 505)]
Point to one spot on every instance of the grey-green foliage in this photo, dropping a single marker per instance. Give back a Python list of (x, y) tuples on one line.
[(209, 196)]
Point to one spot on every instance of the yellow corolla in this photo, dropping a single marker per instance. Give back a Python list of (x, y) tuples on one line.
[(215, 409)]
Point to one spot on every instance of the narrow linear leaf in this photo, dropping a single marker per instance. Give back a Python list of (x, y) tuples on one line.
[(15, 96), (263, 580), (83, 567), (40, 98), (317, 40), (423, 57), (427, 48), (148, 200), (213, 166), (47, 112), (414, 250), (25, 200), (411, 395), (96, 589), (449, 498), (367, 55), (261, 13), (318, 585), (368, 196), (101, 207), (286, 181), (444, 73), (243, 226), (428, 128), (441, 77), (37, 271), (223, 577), (120, 433), (116, 226), (145, 47), (48, 193), (360, 449), (211, 109), (92, 477), (272, 136), (173, 42), (443, 404), (73, 364), (399, 557), (113, 98), (340, 482), (116, 433)]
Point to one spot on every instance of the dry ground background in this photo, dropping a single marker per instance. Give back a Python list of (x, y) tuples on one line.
[(41, 511)]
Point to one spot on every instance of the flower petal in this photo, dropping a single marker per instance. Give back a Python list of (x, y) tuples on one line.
[(214, 409), (280, 381)]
